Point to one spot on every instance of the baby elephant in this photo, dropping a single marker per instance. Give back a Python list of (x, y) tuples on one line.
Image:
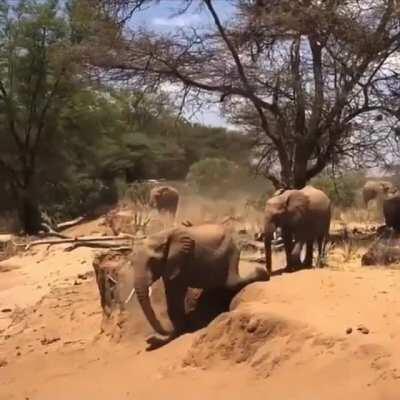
[(203, 257), (165, 199)]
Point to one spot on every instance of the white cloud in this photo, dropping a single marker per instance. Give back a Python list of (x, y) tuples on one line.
[(180, 20)]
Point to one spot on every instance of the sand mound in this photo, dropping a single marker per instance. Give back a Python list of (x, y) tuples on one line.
[(252, 336)]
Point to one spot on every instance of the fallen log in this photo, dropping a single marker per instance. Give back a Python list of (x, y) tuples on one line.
[(82, 240), (95, 245), (69, 224)]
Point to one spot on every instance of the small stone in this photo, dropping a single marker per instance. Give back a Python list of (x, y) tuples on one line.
[(76, 283), (6, 310), (82, 276), (18, 353), (349, 330), (3, 362), (364, 330), (252, 326)]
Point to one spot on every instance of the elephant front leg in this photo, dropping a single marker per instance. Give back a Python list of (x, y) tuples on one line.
[(288, 243), (175, 293)]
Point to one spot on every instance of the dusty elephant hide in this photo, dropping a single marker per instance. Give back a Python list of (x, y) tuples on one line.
[(124, 319)]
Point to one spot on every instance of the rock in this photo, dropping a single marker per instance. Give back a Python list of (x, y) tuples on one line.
[(363, 330), (3, 362), (6, 310), (349, 330), (46, 341)]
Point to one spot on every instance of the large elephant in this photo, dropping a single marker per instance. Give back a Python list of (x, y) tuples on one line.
[(376, 190), (165, 199), (203, 256), (391, 210), (304, 217)]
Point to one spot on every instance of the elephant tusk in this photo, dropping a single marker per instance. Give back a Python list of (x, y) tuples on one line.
[(132, 292)]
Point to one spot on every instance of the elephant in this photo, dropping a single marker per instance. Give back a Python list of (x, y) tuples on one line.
[(304, 216), (391, 210), (165, 199), (200, 257), (376, 190)]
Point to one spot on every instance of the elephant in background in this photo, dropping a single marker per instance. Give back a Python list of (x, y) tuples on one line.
[(391, 210), (201, 257), (304, 217), (376, 190), (165, 199)]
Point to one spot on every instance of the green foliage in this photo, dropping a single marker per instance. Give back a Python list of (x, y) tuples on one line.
[(137, 192), (214, 176), (344, 190), (72, 146)]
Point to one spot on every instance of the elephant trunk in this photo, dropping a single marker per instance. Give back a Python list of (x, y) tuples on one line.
[(142, 292)]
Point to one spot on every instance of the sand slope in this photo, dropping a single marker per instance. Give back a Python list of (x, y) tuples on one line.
[(315, 334)]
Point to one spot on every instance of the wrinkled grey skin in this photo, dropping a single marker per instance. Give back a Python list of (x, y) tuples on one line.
[(376, 190), (391, 209), (204, 256), (165, 199), (304, 217)]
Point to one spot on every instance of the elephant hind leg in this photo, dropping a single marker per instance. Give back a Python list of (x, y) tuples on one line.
[(321, 250), (309, 254), (295, 256)]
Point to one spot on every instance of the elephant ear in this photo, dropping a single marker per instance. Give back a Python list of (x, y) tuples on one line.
[(180, 249), (297, 205)]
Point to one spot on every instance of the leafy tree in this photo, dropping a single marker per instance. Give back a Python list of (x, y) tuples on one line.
[(306, 78), (36, 73)]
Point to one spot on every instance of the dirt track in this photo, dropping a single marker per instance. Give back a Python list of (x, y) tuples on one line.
[(286, 339)]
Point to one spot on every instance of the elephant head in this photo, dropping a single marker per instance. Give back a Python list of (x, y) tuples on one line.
[(373, 189), (284, 210), (161, 255)]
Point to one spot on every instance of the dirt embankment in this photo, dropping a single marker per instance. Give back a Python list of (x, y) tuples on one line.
[(316, 334)]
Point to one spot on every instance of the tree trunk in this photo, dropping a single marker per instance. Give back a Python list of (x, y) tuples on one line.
[(28, 210), (300, 166)]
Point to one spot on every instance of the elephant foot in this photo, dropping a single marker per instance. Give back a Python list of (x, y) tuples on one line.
[(155, 341)]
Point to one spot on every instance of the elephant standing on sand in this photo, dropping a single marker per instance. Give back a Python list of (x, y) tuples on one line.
[(204, 257), (391, 209), (304, 217), (165, 199), (376, 190)]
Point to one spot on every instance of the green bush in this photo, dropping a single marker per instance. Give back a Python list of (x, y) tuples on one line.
[(343, 191), (214, 176)]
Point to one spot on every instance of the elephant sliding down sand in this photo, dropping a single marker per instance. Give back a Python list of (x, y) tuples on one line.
[(304, 217), (204, 257)]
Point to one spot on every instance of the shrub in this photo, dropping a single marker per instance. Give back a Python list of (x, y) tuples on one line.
[(214, 176), (343, 190)]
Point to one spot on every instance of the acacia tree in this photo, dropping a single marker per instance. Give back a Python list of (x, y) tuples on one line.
[(305, 77), (35, 81)]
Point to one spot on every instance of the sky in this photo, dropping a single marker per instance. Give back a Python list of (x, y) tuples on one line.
[(159, 17)]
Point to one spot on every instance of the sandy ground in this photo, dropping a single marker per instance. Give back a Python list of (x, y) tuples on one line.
[(314, 334)]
